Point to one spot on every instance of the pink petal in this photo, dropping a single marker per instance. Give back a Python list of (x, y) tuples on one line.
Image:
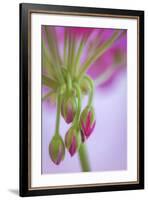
[(88, 122), (60, 153), (72, 148), (69, 117), (83, 126), (91, 129)]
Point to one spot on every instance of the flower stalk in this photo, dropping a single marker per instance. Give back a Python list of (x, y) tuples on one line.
[(58, 114), (91, 89), (59, 97), (83, 157), (98, 53), (78, 91)]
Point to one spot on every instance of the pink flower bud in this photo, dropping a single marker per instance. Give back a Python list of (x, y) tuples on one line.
[(72, 141), (68, 109), (87, 122), (57, 149)]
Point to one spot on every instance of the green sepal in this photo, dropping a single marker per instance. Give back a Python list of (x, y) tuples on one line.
[(56, 142), (84, 86), (73, 131), (85, 112)]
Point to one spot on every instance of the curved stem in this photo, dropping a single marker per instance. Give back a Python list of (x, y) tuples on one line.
[(78, 55), (69, 82), (84, 158), (98, 53), (79, 103), (51, 40), (58, 115), (82, 150), (60, 92), (91, 84)]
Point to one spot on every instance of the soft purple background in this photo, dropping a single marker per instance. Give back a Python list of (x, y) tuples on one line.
[(107, 146)]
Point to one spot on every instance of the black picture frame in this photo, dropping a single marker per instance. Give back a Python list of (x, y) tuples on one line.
[(25, 91)]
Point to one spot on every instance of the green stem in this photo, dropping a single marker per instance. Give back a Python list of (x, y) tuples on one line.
[(53, 50), (78, 55), (60, 92), (82, 150), (76, 120), (58, 114), (69, 51), (69, 82), (72, 56), (91, 85), (104, 76), (65, 47), (84, 158), (47, 95), (47, 63), (98, 53), (49, 82)]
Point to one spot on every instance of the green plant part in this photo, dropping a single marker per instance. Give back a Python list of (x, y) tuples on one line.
[(57, 149), (68, 108), (87, 121), (84, 86), (72, 140)]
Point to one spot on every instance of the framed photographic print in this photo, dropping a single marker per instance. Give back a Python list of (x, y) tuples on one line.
[(81, 99)]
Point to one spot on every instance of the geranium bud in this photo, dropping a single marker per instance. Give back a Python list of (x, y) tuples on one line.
[(87, 122), (68, 109), (57, 149), (72, 140)]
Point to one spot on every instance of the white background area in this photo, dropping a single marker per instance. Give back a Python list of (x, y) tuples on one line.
[(9, 101), (130, 174)]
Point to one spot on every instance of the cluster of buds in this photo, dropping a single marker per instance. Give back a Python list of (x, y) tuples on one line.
[(82, 123)]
